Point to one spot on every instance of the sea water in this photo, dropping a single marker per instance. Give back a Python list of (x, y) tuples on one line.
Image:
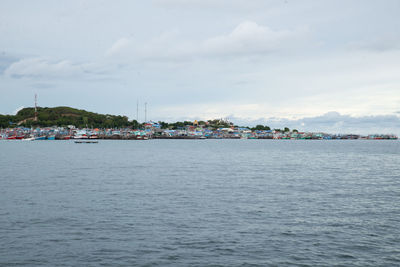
[(200, 203)]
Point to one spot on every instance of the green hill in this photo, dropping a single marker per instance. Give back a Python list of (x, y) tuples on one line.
[(64, 116)]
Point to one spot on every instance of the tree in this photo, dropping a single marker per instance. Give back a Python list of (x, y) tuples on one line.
[(164, 125), (260, 127)]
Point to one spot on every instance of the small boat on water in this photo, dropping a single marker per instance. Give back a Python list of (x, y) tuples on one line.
[(142, 137), (51, 137), (86, 142), (40, 138)]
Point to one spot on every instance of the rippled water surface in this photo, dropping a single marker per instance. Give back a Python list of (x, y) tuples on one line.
[(200, 203)]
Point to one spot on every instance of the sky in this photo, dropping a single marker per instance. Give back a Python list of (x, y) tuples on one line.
[(312, 65)]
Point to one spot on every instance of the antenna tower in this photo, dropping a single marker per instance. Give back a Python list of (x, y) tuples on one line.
[(137, 110), (35, 107), (145, 111)]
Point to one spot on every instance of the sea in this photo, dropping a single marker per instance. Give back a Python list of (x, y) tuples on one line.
[(200, 203)]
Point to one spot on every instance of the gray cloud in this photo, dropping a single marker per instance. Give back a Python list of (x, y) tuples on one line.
[(218, 3), (208, 58), (332, 122), (378, 44)]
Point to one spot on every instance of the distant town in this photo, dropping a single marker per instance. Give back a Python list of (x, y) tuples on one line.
[(153, 130), (65, 123)]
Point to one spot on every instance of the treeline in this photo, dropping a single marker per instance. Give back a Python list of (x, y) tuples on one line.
[(214, 124), (64, 116), (266, 128)]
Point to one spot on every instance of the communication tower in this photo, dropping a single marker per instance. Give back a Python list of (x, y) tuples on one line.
[(35, 107), (145, 111), (137, 110)]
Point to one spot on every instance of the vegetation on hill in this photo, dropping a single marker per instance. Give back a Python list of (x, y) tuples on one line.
[(64, 116)]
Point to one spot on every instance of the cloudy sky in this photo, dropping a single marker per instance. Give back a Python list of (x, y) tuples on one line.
[(314, 65)]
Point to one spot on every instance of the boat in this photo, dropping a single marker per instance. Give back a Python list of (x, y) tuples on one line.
[(81, 136), (86, 142), (40, 138), (51, 137)]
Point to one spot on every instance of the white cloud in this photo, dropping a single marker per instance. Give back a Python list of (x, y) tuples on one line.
[(50, 69), (18, 109), (37, 67), (248, 38), (119, 45)]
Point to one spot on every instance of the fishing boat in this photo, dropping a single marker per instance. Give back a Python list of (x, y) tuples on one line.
[(40, 138), (51, 137)]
